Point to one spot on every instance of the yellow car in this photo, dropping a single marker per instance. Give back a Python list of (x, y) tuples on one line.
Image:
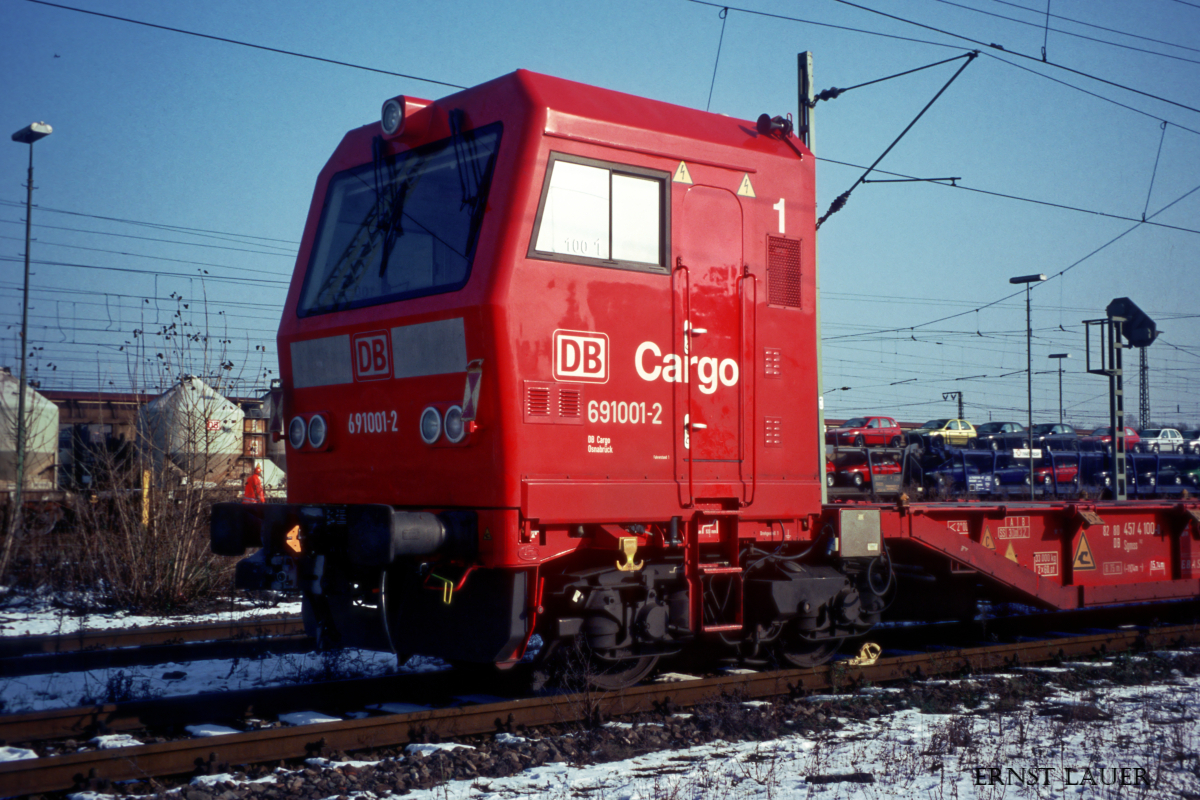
[(955, 432)]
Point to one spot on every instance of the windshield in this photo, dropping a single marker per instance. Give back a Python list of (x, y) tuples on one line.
[(1152, 434), (1043, 429), (989, 427), (1102, 432), (402, 226), (935, 423), (857, 422)]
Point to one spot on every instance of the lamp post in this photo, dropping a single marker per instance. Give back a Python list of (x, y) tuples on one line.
[(1059, 357), (27, 135), (1027, 280)]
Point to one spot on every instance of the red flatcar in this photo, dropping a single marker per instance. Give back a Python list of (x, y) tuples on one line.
[(549, 365)]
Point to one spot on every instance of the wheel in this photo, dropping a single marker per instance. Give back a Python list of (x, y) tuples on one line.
[(935, 441), (801, 652), (996, 444), (572, 665), (610, 676), (858, 480), (859, 441), (1154, 449), (895, 442), (829, 479)]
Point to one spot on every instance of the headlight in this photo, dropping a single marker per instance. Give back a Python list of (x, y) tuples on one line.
[(317, 429), (392, 116), (431, 425), (296, 432), (455, 430)]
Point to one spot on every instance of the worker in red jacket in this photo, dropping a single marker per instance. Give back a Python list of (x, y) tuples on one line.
[(254, 487)]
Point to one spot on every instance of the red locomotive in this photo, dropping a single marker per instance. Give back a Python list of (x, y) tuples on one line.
[(549, 366)]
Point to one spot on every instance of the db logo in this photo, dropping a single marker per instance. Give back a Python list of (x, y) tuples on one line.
[(372, 355), (580, 356)]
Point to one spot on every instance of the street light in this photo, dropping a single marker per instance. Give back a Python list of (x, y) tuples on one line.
[(1059, 357), (1027, 280), (27, 135)]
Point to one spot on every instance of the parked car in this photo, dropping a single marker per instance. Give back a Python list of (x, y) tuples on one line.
[(866, 431), (999, 436), (956, 432), (1191, 441), (1054, 436), (1162, 440), (1101, 439), (949, 476), (1064, 473), (1141, 475), (1191, 477), (1010, 472), (854, 471)]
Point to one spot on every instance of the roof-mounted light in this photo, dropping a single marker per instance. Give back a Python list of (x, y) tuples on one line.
[(392, 118)]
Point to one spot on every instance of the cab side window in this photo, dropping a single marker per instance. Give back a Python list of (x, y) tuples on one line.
[(604, 214)]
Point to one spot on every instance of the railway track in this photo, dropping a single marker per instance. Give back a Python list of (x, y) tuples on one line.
[(184, 756), (32, 655)]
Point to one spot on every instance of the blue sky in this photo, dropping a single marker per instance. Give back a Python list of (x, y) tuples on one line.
[(179, 154)]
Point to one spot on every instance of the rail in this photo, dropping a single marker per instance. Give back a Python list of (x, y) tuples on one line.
[(184, 756)]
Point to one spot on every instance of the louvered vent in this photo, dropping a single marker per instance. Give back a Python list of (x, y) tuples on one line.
[(537, 401), (783, 272), (569, 402), (549, 403), (772, 362), (773, 431)]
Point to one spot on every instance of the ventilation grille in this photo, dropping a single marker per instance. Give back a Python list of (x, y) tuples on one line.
[(569, 402), (553, 403), (538, 401), (783, 272), (772, 362), (773, 431)]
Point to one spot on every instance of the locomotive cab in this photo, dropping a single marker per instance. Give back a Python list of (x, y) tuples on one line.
[(548, 362)]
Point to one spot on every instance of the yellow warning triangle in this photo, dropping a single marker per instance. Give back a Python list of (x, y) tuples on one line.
[(681, 174), (1011, 554), (987, 538), (1083, 555), (745, 190)]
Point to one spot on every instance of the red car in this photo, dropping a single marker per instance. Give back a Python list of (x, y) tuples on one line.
[(1101, 439), (866, 431), (854, 472), (1065, 473)]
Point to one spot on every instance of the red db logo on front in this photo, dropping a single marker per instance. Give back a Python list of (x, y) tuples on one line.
[(580, 356), (372, 355)]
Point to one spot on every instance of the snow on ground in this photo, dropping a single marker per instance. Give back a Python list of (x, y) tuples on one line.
[(69, 689), (1139, 742), (23, 615)]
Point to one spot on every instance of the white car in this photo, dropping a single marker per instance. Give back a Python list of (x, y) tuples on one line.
[(1162, 440)]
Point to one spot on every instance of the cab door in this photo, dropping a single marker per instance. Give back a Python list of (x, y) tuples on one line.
[(708, 323)]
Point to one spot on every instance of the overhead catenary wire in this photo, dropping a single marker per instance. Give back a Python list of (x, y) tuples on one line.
[(995, 46), (1002, 195), (1080, 22), (724, 14), (1047, 29), (203, 233), (227, 40), (841, 199), (932, 43)]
